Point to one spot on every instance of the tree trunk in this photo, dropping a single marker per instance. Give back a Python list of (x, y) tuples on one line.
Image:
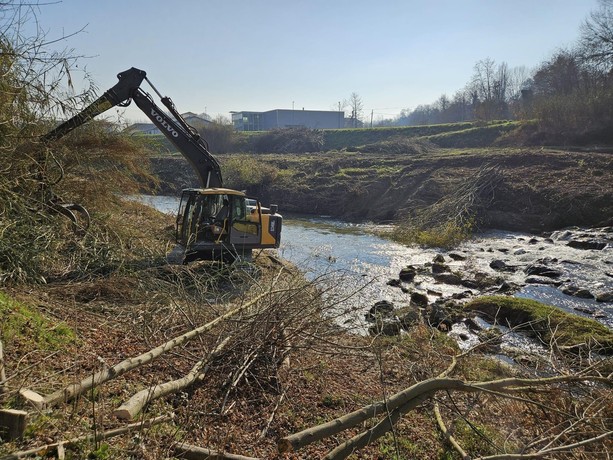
[(12, 423), (135, 404), (190, 452), (126, 365)]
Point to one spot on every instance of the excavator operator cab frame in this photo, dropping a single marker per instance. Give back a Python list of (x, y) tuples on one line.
[(213, 221)]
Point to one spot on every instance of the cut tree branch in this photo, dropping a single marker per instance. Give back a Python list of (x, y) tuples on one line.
[(189, 452), (47, 448), (135, 404), (71, 391)]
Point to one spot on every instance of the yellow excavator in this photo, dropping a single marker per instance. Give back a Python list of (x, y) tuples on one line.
[(213, 222)]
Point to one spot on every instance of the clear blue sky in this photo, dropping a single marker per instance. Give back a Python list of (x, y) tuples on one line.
[(222, 55)]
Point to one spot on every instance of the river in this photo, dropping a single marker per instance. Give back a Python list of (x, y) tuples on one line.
[(358, 264)]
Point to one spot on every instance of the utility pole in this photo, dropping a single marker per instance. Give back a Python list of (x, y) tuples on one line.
[(371, 114)]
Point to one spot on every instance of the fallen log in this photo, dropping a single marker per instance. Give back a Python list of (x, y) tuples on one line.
[(189, 452), (2, 371), (71, 391), (313, 434), (366, 437), (48, 448), (135, 404), (418, 392)]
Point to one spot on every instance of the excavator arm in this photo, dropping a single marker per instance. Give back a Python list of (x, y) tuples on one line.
[(176, 129)]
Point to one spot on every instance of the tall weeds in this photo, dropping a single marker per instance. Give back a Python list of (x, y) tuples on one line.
[(454, 217), (91, 166)]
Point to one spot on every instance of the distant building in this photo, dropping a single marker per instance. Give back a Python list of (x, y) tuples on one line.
[(286, 118), (191, 118)]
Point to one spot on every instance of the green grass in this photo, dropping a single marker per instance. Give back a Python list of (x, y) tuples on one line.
[(466, 134), (550, 324), (475, 136), (23, 324), (336, 139)]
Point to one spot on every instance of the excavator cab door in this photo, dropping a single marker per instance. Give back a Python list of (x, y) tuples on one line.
[(245, 226), (185, 218)]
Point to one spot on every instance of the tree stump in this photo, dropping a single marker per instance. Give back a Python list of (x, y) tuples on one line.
[(12, 423)]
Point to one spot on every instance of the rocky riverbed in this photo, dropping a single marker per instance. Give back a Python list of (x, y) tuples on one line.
[(571, 269)]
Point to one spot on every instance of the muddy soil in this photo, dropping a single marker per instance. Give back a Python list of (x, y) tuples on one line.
[(538, 190)]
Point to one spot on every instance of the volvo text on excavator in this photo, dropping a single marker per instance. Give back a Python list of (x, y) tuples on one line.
[(212, 221)]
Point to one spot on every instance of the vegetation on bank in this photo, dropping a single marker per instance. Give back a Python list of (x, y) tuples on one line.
[(551, 325), (26, 327)]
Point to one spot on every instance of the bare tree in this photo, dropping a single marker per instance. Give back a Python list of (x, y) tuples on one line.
[(357, 107), (490, 85), (596, 42)]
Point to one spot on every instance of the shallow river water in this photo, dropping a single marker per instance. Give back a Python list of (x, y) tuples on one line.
[(358, 264)]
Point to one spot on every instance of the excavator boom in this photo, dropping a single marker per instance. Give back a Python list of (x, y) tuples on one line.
[(177, 131)]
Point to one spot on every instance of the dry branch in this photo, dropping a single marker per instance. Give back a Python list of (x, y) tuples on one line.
[(126, 365), (2, 371), (135, 404), (45, 449), (448, 435), (410, 398), (189, 452)]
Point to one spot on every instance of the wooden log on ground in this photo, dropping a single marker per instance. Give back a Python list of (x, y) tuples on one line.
[(190, 452), (313, 434), (2, 370), (48, 448), (430, 386), (345, 449), (129, 409), (12, 423), (76, 389), (34, 399)]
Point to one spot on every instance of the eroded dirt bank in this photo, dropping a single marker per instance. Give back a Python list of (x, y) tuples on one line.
[(535, 189)]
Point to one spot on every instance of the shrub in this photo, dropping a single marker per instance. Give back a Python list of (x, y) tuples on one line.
[(221, 137), (242, 172), (289, 140)]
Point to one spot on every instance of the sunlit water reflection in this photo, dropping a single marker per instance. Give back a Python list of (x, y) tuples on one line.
[(356, 265)]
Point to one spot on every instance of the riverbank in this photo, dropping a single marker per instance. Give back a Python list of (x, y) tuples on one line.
[(287, 365), (535, 189)]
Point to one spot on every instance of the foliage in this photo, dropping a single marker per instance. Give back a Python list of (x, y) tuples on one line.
[(242, 172), (447, 235), (454, 217), (221, 137), (92, 166)]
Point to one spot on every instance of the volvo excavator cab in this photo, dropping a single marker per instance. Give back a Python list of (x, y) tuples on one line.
[(212, 221), (215, 222)]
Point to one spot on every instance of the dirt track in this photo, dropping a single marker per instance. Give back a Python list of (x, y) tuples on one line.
[(539, 189)]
